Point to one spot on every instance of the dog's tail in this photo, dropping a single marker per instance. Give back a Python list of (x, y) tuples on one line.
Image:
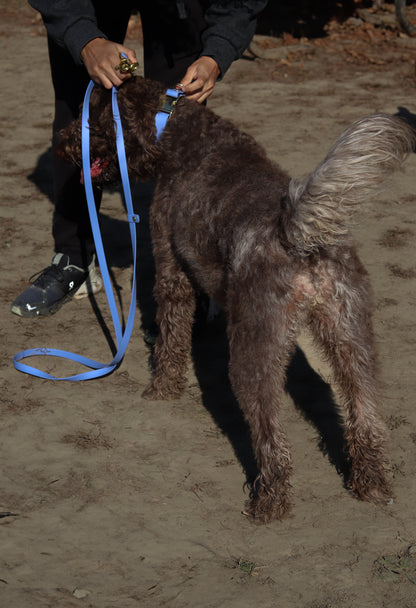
[(322, 205)]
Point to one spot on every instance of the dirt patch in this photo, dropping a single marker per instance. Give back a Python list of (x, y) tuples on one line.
[(402, 273), (112, 501), (396, 237)]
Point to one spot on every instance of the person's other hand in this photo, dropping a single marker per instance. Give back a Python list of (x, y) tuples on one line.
[(100, 56), (200, 78)]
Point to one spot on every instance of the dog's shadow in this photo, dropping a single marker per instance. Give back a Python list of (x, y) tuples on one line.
[(312, 397)]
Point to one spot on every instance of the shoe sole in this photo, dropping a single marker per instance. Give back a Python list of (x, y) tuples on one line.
[(43, 311), (149, 338)]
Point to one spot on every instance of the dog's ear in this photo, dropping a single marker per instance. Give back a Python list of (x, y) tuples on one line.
[(138, 101), (69, 145), (103, 155), (144, 157)]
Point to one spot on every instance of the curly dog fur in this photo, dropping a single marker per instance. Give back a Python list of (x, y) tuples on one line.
[(274, 253)]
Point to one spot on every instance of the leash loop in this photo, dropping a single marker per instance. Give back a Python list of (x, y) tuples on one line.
[(122, 338)]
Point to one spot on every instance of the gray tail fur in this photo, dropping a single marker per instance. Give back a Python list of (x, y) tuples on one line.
[(362, 158)]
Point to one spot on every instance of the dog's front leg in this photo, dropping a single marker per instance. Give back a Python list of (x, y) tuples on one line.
[(175, 299)]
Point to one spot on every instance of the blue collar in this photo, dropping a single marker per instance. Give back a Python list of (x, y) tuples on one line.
[(168, 102)]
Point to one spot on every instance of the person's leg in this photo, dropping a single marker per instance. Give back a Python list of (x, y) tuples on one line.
[(57, 283), (71, 224), (72, 271), (71, 227)]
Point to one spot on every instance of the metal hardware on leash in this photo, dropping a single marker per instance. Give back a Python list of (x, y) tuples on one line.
[(126, 66), (167, 103)]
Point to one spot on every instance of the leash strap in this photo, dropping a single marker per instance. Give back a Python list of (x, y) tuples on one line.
[(122, 338)]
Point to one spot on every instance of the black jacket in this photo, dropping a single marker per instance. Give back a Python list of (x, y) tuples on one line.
[(229, 24)]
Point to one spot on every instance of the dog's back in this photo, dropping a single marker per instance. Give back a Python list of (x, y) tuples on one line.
[(229, 205)]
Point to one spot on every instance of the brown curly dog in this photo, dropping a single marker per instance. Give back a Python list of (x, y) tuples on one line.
[(274, 253)]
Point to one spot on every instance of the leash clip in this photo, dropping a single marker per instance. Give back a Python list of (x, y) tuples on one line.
[(167, 103)]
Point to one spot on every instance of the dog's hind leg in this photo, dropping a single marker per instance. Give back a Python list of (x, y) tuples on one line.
[(260, 342), (341, 323), (175, 299)]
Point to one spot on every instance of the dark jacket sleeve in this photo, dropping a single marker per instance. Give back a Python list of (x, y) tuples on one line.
[(230, 28), (71, 23)]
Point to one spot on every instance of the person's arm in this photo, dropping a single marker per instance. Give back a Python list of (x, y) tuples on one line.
[(230, 28), (73, 25), (70, 24)]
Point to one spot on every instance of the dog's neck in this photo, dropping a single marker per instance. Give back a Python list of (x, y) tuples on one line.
[(167, 103)]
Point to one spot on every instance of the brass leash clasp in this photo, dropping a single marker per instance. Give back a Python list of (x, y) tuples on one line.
[(126, 66)]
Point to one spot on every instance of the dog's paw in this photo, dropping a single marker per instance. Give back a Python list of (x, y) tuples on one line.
[(371, 489), (264, 508), (155, 392)]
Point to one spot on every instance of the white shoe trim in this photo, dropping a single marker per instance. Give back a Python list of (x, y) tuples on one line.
[(92, 284)]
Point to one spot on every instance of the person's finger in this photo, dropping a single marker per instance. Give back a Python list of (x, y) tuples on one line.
[(199, 96), (131, 54), (192, 87), (199, 80), (190, 76), (103, 81), (198, 90), (108, 78)]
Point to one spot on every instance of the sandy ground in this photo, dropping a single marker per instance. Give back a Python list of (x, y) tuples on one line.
[(110, 501)]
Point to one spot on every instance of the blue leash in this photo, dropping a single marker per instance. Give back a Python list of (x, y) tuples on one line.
[(97, 369)]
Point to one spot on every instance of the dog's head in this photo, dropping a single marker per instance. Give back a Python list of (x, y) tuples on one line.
[(138, 100)]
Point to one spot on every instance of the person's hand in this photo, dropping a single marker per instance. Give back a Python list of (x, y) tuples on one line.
[(100, 56), (200, 78)]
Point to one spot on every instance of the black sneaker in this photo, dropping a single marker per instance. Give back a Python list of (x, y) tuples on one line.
[(50, 288), (150, 334)]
